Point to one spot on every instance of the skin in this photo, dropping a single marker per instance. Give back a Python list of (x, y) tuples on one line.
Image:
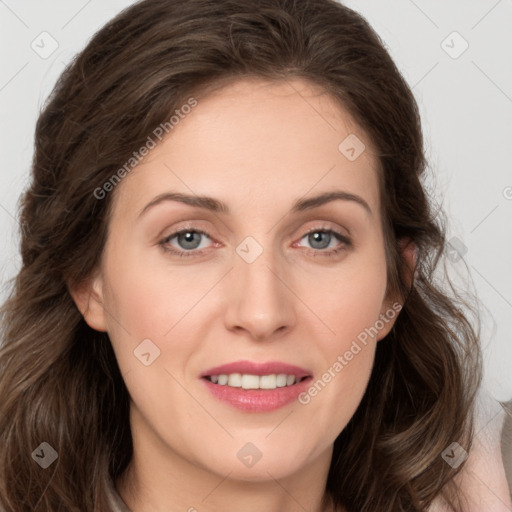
[(258, 147)]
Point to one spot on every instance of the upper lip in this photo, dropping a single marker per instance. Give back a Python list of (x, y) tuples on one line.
[(255, 368)]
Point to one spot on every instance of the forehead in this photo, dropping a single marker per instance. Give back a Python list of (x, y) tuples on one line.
[(259, 139)]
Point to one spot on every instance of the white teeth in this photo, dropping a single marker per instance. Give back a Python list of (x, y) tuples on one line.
[(235, 380), (268, 382), (281, 380), (247, 381), (250, 381)]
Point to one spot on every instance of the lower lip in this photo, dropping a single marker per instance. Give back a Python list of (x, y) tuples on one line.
[(257, 400)]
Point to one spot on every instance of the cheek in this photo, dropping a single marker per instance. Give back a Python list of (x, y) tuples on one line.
[(141, 305), (150, 301), (349, 299), (150, 298), (351, 304), (163, 302)]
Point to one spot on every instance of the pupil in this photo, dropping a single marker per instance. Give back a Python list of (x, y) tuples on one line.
[(318, 235), (189, 239)]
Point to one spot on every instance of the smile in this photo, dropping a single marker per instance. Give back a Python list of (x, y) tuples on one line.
[(248, 381), (252, 386)]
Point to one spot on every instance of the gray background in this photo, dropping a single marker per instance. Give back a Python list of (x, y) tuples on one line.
[(465, 102)]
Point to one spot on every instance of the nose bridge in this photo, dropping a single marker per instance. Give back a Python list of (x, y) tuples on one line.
[(257, 266), (261, 302)]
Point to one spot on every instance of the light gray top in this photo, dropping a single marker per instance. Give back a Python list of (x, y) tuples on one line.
[(115, 501)]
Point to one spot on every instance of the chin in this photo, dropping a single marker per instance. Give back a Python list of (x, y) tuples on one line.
[(247, 465)]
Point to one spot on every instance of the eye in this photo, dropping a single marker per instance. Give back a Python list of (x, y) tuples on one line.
[(321, 239), (188, 241)]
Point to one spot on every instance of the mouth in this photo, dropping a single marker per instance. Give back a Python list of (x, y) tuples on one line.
[(256, 387)]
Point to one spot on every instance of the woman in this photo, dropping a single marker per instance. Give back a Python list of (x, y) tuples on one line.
[(250, 371)]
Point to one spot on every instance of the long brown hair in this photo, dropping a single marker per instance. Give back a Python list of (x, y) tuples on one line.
[(59, 379)]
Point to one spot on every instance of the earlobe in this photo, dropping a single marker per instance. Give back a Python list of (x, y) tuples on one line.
[(387, 319), (88, 297)]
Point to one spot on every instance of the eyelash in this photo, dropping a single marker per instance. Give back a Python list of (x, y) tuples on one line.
[(194, 253)]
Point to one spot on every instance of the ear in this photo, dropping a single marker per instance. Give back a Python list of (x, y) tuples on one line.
[(391, 308), (88, 297), (408, 251)]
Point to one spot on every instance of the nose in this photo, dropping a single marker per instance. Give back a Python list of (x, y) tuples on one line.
[(260, 300)]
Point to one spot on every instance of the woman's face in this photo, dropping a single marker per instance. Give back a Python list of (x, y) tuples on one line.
[(268, 284)]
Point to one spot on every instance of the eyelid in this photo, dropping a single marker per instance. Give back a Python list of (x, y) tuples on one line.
[(324, 227), (179, 231), (185, 226), (345, 240)]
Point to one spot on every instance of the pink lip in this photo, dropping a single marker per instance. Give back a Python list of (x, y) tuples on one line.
[(257, 400)]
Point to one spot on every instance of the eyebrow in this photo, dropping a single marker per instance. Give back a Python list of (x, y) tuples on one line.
[(214, 205)]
